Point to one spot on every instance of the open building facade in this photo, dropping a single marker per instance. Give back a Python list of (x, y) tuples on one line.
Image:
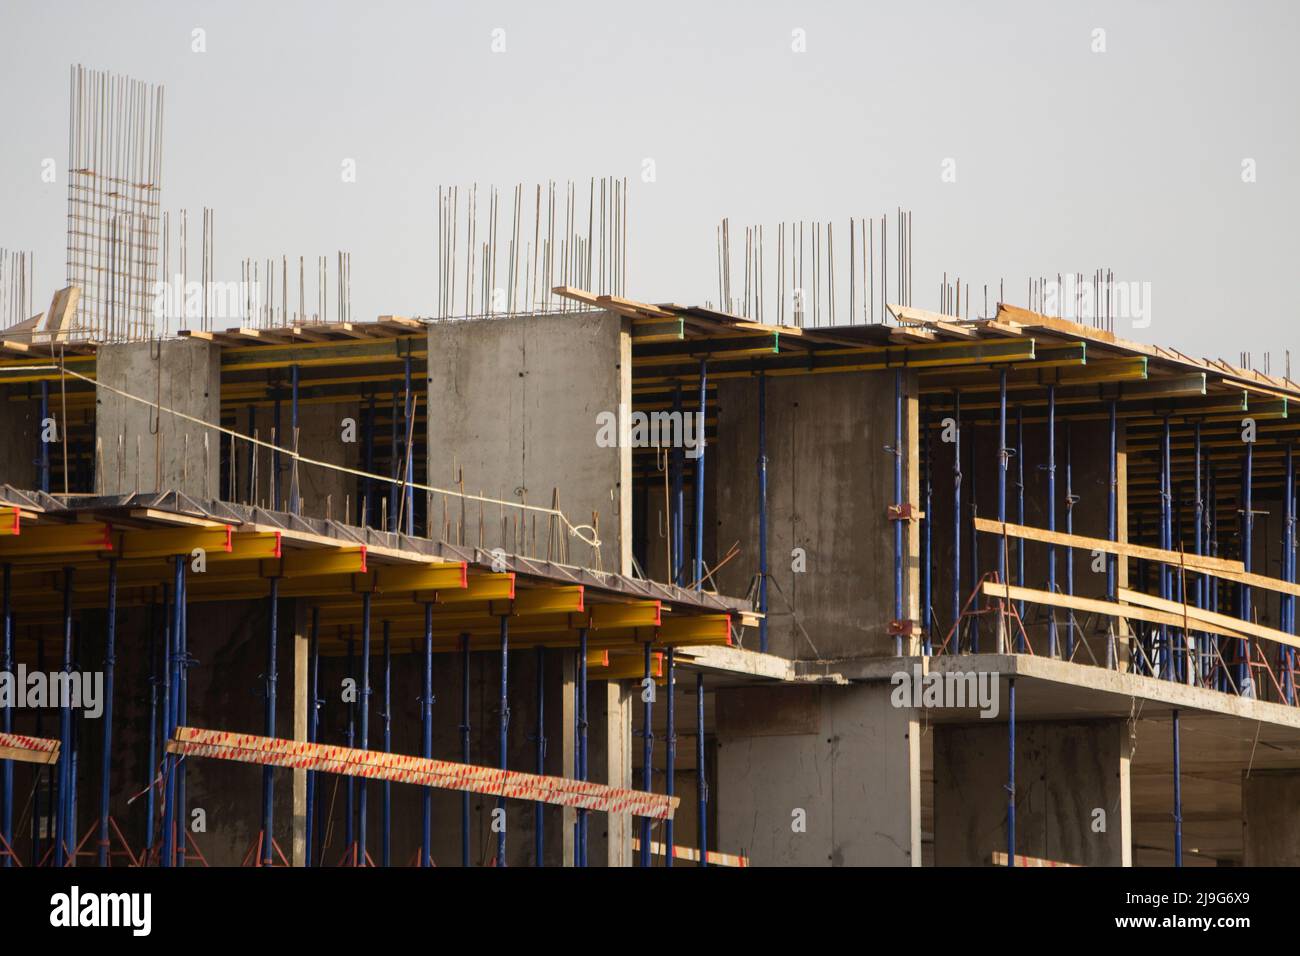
[(930, 591)]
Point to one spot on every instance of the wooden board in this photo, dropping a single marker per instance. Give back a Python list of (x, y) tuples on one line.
[(1202, 620), (63, 308), (1219, 567), (1011, 592), (1196, 564)]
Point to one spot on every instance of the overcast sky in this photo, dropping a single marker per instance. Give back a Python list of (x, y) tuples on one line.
[(1066, 159)]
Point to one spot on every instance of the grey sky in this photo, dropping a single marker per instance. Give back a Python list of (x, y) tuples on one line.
[(1066, 159)]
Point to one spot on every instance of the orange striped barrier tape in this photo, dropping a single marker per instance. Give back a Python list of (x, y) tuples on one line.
[(402, 768), (24, 749), (691, 854)]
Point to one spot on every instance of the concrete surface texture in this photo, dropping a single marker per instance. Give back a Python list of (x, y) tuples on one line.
[(142, 450), (818, 776), (830, 485), (517, 401), (1073, 803)]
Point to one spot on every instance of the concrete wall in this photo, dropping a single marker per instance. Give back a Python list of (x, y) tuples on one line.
[(320, 436), (1270, 817), (830, 484), (844, 755), (20, 432), (1065, 772), (189, 373), (514, 404)]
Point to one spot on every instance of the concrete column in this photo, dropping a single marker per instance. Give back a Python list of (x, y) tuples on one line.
[(561, 736), (1270, 817), (830, 486), (609, 745), (1073, 803), (301, 698), (183, 375), (818, 776)]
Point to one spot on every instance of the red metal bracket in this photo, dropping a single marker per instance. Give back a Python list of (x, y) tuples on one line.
[(905, 512)]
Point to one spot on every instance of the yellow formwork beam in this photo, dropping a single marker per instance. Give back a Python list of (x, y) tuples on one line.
[(168, 542), (636, 614), (256, 544), (314, 563), (542, 600), (481, 587), (484, 634), (11, 521), (45, 541), (695, 629), (455, 588), (629, 667), (420, 577)]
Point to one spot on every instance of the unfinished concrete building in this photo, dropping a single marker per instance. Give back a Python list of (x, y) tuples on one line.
[(939, 591)]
